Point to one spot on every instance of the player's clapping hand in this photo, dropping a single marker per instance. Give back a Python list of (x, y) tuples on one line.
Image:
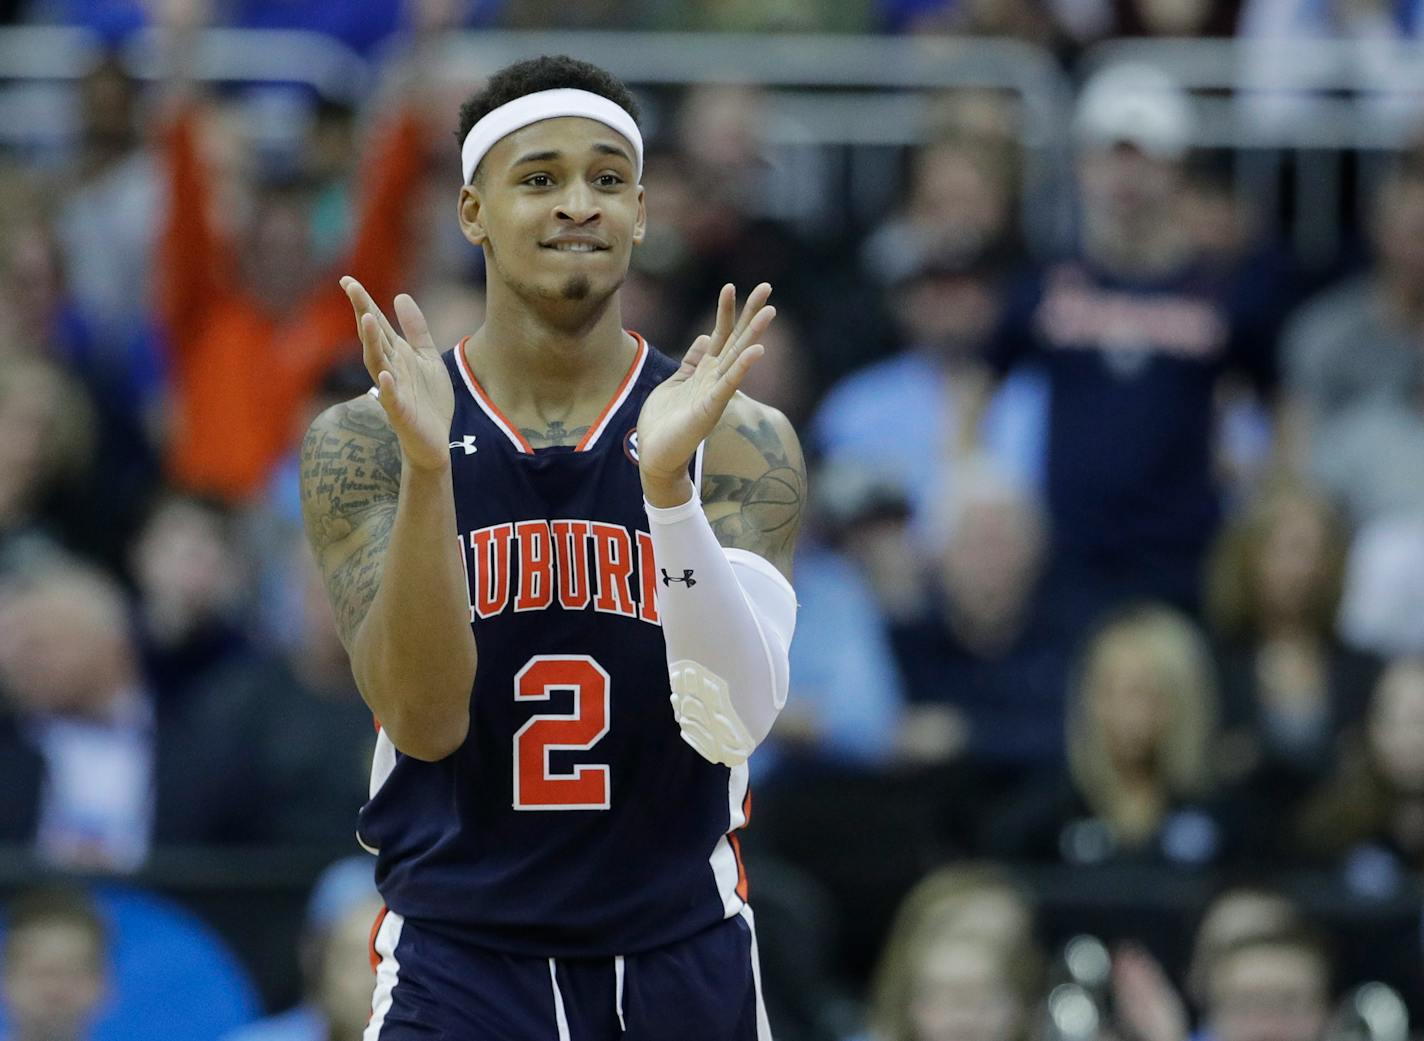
[(680, 413), (412, 381)]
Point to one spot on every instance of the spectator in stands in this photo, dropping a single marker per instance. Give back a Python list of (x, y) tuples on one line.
[(1371, 458), (45, 319), (46, 447), (1368, 819), (736, 212), (1271, 986), (865, 516), (1088, 21), (1134, 331), (291, 725), (107, 226), (1382, 612), (900, 416), (847, 700), (252, 326), (190, 577), (960, 964), (1356, 345), (1228, 919), (1141, 725), (1015, 18), (80, 753), (1268, 983), (960, 202), (1289, 688), (56, 966), (988, 652), (336, 961), (98, 769)]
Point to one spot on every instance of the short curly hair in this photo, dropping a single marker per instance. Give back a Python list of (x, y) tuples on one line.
[(546, 72)]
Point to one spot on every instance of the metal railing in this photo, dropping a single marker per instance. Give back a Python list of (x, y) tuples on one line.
[(841, 108), (1293, 112)]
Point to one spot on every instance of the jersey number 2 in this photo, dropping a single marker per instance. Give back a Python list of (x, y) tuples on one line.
[(536, 785)]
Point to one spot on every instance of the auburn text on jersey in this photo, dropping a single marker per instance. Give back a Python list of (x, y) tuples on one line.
[(576, 565)]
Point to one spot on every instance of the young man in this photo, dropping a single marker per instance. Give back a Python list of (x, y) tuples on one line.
[(601, 531), (56, 966)]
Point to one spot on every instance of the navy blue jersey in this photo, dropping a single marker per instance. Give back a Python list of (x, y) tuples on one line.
[(574, 820)]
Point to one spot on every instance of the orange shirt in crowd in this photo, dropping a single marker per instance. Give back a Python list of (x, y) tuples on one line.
[(241, 377)]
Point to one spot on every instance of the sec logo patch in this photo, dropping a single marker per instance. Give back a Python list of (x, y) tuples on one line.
[(630, 445)]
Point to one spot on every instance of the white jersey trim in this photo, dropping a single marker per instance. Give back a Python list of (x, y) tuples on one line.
[(762, 1023), (724, 859), (383, 761), (486, 406), (387, 974), (630, 380)]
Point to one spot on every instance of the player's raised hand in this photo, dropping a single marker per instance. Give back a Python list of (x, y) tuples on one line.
[(680, 413), (412, 381)]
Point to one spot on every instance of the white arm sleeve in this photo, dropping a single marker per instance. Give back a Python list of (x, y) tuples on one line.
[(727, 618)]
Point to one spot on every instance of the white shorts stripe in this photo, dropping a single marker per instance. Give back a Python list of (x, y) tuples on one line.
[(763, 1025), (618, 970), (561, 1020), (387, 973), (724, 859)]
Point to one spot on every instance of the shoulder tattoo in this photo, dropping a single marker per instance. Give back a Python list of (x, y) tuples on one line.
[(350, 481), (754, 491)]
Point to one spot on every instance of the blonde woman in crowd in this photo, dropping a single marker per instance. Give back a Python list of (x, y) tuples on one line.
[(961, 963), (1141, 722)]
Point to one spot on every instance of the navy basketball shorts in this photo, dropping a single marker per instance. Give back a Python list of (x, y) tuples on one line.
[(432, 988)]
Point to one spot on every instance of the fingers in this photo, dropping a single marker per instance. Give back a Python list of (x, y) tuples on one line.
[(730, 380), (755, 302), (413, 324), (694, 356), (373, 350), (757, 325), (363, 304), (726, 312), (730, 331)]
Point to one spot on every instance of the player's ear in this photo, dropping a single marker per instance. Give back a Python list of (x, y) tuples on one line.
[(472, 215), (640, 226)]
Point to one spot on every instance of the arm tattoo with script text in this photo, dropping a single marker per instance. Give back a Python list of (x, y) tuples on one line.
[(350, 480), (755, 491)]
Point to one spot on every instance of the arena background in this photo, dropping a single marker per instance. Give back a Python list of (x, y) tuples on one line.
[(1151, 633)]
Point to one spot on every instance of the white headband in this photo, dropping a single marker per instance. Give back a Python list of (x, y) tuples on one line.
[(547, 104)]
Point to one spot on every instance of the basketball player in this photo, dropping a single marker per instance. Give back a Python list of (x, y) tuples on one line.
[(560, 562)]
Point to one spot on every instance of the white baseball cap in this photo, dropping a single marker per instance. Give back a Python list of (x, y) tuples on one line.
[(1136, 104)]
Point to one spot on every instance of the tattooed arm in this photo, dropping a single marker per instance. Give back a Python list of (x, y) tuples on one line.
[(754, 482), (383, 533)]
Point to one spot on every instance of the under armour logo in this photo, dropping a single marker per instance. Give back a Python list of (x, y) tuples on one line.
[(686, 578), (467, 443)]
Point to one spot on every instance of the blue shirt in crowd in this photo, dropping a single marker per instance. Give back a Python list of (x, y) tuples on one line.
[(898, 418)]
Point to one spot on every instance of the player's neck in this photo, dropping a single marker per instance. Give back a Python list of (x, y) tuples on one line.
[(537, 364)]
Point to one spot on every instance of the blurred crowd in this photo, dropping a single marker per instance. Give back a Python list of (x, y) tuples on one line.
[(1113, 570)]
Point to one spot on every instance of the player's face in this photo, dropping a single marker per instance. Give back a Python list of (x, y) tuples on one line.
[(557, 209)]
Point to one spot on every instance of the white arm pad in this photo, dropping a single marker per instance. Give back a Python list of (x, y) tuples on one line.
[(727, 617)]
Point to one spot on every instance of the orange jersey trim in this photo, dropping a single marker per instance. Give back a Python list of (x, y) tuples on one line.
[(594, 431), (376, 928), (619, 395)]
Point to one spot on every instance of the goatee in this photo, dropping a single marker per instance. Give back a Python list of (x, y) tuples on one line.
[(577, 288)]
